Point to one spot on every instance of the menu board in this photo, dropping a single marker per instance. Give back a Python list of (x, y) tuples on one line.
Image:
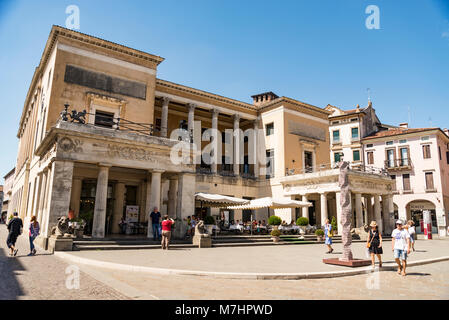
[(132, 213)]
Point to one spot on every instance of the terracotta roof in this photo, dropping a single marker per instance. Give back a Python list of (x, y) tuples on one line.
[(397, 131)]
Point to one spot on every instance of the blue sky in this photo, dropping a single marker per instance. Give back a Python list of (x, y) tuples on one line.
[(318, 52)]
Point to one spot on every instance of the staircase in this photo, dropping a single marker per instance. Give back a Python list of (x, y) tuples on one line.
[(219, 241)]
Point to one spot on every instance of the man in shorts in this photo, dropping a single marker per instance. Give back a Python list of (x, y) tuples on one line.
[(400, 245)]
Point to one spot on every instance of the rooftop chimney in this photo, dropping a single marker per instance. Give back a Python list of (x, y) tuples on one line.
[(261, 98), (404, 125)]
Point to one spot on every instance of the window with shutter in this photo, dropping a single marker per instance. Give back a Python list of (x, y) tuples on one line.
[(429, 181), (370, 157), (426, 151), (406, 181)]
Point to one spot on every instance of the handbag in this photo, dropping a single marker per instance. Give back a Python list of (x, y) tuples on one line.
[(369, 244)]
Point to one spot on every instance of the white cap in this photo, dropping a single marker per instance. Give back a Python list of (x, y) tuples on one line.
[(399, 221)]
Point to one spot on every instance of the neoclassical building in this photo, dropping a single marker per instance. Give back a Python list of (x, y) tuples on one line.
[(117, 158)]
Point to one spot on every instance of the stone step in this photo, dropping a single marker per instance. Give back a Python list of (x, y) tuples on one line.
[(91, 245)]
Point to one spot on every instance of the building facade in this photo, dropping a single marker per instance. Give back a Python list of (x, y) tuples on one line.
[(347, 128), (418, 161), (100, 135), (6, 210)]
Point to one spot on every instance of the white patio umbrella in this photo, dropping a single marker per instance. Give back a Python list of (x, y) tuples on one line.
[(269, 202), (218, 200)]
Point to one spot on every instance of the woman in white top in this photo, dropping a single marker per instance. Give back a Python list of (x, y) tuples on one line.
[(412, 233)]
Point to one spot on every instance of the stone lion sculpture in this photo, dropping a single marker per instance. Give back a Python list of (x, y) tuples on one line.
[(362, 232), (62, 228), (200, 230)]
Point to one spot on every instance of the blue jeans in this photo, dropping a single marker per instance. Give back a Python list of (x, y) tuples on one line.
[(156, 234), (31, 243), (400, 254)]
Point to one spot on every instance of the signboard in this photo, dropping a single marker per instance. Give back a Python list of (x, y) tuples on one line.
[(225, 215), (422, 206), (132, 213)]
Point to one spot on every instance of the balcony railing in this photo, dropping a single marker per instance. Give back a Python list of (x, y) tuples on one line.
[(398, 164), (352, 166)]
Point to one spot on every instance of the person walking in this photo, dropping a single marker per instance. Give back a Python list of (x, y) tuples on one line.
[(193, 223), (166, 232), (34, 232), (155, 216), (412, 232), (400, 245), (15, 227), (328, 236), (374, 243)]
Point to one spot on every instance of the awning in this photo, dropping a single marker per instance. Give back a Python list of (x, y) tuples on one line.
[(218, 200), (269, 202)]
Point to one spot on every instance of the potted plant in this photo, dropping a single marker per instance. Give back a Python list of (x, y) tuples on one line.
[(275, 235), (319, 234), (302, 222), (209, 223), (274, 221)]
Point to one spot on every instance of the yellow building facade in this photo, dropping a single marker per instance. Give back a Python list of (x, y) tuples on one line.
[(122, 155)]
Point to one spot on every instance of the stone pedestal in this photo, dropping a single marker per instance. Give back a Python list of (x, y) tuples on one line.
[(56, 243), (42, 242), (202, 241)]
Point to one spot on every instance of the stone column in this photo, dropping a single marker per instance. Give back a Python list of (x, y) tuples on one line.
[(256, 146), (191, 118), (43, 192), (385, 213), (172, 191), (101, 197), (76, 195), (216, 144), (236, 163), (323, 203), (390, 225), (305, 210), (369, 209), (339, 212), (154, 197), (185, 202), (119, 202), (164, 118), (358, 210), (377, 213), (58, 193)]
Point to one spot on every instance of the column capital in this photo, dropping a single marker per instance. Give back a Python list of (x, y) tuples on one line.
[(236, 117), (215, 112), (191, 106), (165, 101), (156, 171), (104, 165)]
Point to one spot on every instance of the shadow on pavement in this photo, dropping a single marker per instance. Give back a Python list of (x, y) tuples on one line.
[(10, 288), (418, 274)]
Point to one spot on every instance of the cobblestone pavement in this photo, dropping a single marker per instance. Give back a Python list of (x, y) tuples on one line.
[(43, 276)]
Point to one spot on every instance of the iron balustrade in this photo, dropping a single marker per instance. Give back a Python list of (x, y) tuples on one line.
[(398, 163), (324, 167)]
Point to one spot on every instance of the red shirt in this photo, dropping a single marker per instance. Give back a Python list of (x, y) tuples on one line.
[(166, 225)]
